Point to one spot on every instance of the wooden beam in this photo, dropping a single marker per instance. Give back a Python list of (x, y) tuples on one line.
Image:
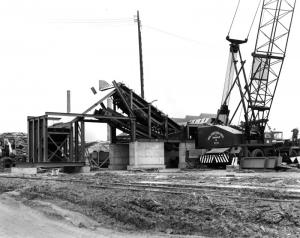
[(123, 98), (87, 115), (96, 104)]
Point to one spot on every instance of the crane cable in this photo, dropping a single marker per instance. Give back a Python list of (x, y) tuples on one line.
[(253, 18), (237, 7)]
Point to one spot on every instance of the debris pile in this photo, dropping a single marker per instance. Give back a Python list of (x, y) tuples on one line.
[(18, 141)]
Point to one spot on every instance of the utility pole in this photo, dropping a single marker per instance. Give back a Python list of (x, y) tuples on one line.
[(140, 54)]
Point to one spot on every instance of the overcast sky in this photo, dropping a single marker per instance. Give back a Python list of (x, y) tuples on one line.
[(49, 47)]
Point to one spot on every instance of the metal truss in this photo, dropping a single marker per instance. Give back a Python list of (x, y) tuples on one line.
[(268, 56)]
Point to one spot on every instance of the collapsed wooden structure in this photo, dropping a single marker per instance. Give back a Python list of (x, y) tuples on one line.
[(64, 143)]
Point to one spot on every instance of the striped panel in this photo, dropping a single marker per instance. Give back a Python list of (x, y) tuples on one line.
[(214, 158)]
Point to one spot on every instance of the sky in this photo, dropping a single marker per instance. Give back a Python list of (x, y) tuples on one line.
[(49, 47)]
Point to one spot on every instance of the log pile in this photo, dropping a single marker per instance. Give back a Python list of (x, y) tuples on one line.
[(18, 141)]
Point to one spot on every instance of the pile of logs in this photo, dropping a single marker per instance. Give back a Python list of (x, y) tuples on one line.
[(18, 141)]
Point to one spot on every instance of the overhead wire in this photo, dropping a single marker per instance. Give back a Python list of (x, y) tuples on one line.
[(172, 34), (94, 21), (113, 21)]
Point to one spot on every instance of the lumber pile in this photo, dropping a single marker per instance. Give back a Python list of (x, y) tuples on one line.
[(18, 141)]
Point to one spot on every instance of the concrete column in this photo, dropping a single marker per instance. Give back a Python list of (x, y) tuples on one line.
[(118, 156), (143, 155), (183, 147)]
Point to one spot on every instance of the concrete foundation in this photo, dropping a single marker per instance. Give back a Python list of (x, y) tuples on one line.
[(183, 147), (22, 171), (146, 155), (260, 162), (118, 156), (85, 169)]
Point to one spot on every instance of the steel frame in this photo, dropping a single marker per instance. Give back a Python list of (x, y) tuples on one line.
[(55, 143), (270, 50)]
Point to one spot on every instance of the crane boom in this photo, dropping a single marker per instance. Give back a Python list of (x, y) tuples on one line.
[(268, 56)]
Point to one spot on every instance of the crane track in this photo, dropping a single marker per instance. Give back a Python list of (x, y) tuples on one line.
[(179, 189)]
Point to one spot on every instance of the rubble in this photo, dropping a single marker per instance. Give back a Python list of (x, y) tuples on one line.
[(20, 141)]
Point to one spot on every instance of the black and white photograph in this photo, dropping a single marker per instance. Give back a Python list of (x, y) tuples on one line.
[(162, 118)]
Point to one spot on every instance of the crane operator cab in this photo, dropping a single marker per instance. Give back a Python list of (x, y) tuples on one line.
[(274, 137)]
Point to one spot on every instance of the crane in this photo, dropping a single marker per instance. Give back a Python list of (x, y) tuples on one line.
[(257, 93)]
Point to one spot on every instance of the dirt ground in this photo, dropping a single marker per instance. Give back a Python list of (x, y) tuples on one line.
[(247, 205)]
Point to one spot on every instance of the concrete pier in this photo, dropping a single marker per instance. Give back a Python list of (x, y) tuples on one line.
[(183, 147), (23, 171), (146, 155), (118, 156)]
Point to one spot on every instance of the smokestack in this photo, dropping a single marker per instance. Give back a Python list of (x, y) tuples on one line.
[(68, 101)]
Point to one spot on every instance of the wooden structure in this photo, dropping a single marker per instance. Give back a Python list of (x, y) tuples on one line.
[(64, 143), (61, 143)]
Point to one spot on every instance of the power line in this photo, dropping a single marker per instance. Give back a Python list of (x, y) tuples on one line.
[(122, 21), (93, 21), (173, 34)]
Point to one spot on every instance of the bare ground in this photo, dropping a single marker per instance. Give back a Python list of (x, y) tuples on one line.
[(238, 212)]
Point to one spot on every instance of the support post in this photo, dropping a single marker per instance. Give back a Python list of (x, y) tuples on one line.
[(133, 130), (131, 100), (33, 141), (82, 139), (71, 146), (29, 148), (149, 120), (45, 139), (109, 105), (166, 127), (39, 144), (76, 142)]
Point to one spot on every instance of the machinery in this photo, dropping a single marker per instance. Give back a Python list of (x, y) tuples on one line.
[(249, 139)]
